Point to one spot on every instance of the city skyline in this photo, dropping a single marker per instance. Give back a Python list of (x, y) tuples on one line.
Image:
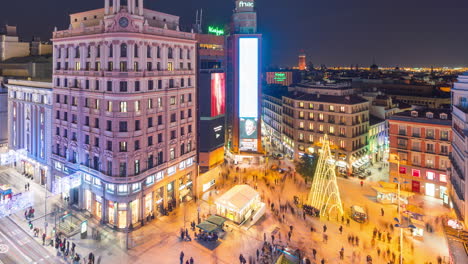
[(396, 34)]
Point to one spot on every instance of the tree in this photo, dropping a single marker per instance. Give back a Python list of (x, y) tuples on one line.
[(306, 166)]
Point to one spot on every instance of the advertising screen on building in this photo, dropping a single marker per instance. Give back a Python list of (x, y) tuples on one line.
[(248, 77), (248, 92), (218, 94), (248, 127)]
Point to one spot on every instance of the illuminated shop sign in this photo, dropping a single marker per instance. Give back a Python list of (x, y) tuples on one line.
[(216, 31), (246, 4), (280, 76), (218, 94)]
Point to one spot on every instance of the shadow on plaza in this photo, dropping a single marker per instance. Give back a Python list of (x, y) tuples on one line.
[(211, 245)]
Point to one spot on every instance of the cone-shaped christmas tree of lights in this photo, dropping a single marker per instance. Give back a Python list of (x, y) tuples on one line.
[(324, 193)]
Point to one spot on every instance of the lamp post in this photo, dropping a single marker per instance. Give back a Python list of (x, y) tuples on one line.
[(401, 226), (399, 212)]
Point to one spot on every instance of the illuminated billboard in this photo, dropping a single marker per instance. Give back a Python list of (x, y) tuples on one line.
[(248, 77), (218, 94), (248, 127), (248, 93)]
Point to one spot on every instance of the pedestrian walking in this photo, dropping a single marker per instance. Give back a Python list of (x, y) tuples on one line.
[(191, 260), (382, 213), (341, 230), (258, 253), (324, 228), (342, 253), (43, 238), (322, 261), (181, 257), (362, 183), (314, 253)]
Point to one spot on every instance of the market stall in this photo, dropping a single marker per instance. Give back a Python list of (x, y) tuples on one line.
[(240, 204)]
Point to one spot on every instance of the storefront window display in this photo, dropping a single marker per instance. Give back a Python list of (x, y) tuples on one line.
[(88, 200), (98, 207), (170, 196), (148, 204), (159, 200), (122, 215), (135, 205), (111, 212)]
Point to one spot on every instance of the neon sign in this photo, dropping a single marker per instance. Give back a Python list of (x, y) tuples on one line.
[(216, 31), (280, 76), (246, 4)]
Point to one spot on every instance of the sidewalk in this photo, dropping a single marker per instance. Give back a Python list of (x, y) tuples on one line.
[(109, 250)]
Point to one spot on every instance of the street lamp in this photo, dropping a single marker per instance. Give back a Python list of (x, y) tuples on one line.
[(399, 212), (401, 226)]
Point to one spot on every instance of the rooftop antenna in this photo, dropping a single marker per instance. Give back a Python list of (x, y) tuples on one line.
[(198, 21)]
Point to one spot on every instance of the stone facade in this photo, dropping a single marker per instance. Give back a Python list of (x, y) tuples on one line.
[(30, 127), (459, 156), (420, 139), (124, 107)]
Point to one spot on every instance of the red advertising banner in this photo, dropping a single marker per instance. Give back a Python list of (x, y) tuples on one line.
[(218, 94)]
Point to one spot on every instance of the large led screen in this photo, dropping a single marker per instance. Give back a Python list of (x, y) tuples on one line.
[(218, 94), (248, 127), (248, 77), (248, 93)]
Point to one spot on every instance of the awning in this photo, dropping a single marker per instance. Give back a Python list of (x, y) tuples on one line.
[(217, 220), (208, 227), (393, 191)]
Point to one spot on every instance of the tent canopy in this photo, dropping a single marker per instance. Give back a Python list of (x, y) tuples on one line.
[(237, 198), (207, 227), (217, 220), (394, 191)]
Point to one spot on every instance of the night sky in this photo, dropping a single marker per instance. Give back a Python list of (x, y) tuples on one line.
[(331, 32)]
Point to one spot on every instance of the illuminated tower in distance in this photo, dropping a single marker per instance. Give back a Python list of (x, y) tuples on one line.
[(302, 62)]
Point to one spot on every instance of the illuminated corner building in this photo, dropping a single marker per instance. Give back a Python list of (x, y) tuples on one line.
[(30, 127), (459, 155), (124, 106), (211, 107), (243, 83), (420, 140), (302, 62)]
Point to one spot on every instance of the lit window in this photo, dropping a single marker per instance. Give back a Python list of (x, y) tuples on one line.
[(123, 107), (123, 188), (321, 128), (342, 144), (321, 117), (442, 178), (332, 130), (332, 108), (430, 175), (301, 124), (416, 173), (137, 106)]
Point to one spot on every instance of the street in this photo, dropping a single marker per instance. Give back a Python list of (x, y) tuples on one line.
[(16, 246)]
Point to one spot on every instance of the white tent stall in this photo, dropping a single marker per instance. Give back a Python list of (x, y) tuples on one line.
[(241, 203)]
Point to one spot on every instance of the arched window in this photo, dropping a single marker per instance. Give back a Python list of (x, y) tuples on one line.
[(123, 50), (77, 52), (98, 51), (111, 50), (169, 53)]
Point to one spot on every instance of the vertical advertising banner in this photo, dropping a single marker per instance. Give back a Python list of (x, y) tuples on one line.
[(248, 93), (218, 94)]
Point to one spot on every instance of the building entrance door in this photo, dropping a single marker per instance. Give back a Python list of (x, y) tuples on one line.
[(416, 186)]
